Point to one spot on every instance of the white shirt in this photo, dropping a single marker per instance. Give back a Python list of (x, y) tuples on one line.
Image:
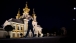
[(27, 16)]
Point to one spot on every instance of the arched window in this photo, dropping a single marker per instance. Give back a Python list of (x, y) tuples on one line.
[(17, 27), (17, 34), (13, 34), (21, 28), (14, 27)]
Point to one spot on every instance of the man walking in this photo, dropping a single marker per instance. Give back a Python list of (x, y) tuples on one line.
[(30, 27)]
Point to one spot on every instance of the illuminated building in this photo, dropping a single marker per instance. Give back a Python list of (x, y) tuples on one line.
[(20, 24)]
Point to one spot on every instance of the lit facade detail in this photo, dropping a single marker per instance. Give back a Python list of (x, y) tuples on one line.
[(20, 24)]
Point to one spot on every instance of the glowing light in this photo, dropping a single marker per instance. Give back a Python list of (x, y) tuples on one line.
[(74, 8), (73, 19)]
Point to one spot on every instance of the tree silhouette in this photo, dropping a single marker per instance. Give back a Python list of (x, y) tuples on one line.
[(8, 28), (21, 34)]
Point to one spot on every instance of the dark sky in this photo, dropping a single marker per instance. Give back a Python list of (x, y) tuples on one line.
[(50, 13)]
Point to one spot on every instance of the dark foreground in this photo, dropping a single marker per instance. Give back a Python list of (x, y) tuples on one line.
[(52, 39)]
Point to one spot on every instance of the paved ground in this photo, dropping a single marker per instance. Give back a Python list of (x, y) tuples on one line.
[(56, 39)]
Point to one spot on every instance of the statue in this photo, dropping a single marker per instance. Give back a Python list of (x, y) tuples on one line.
[(18, 14), (37, 28), (26, 9)]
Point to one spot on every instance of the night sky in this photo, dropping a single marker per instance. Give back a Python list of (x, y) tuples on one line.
[(50, 13)]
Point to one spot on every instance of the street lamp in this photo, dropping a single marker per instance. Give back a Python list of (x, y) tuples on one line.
[(74, 8), (73, 19)]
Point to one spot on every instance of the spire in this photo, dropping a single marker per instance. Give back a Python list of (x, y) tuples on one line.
[(26, 5), (26, 9), (18, 11), (18, 14), (33, 12), (34, 15)]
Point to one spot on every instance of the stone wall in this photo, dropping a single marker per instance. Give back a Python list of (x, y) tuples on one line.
[(3, 33)]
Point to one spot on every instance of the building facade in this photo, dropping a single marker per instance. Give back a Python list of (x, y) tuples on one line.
[(20, 24)]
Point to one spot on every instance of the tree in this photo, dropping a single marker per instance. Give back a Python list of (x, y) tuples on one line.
[(8, 28), (21, 34)]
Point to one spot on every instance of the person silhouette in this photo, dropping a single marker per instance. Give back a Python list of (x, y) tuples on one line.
[(30, 26)]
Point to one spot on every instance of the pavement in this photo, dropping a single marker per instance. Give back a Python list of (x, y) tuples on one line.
[(33, 38), (52, 39)]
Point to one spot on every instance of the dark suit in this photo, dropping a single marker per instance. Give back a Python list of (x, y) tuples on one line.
[(30, 27)]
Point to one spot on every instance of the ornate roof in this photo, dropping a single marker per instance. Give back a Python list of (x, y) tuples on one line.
[(20, 19), (16, 20)]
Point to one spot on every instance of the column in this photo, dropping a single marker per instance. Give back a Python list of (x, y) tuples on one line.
[(16, 30), (23, 29), (19, 29), (25, 25)]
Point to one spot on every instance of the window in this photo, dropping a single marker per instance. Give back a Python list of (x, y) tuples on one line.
[(17, 34), (13, 35), (21, 28), (14, 27), (18, 27)]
